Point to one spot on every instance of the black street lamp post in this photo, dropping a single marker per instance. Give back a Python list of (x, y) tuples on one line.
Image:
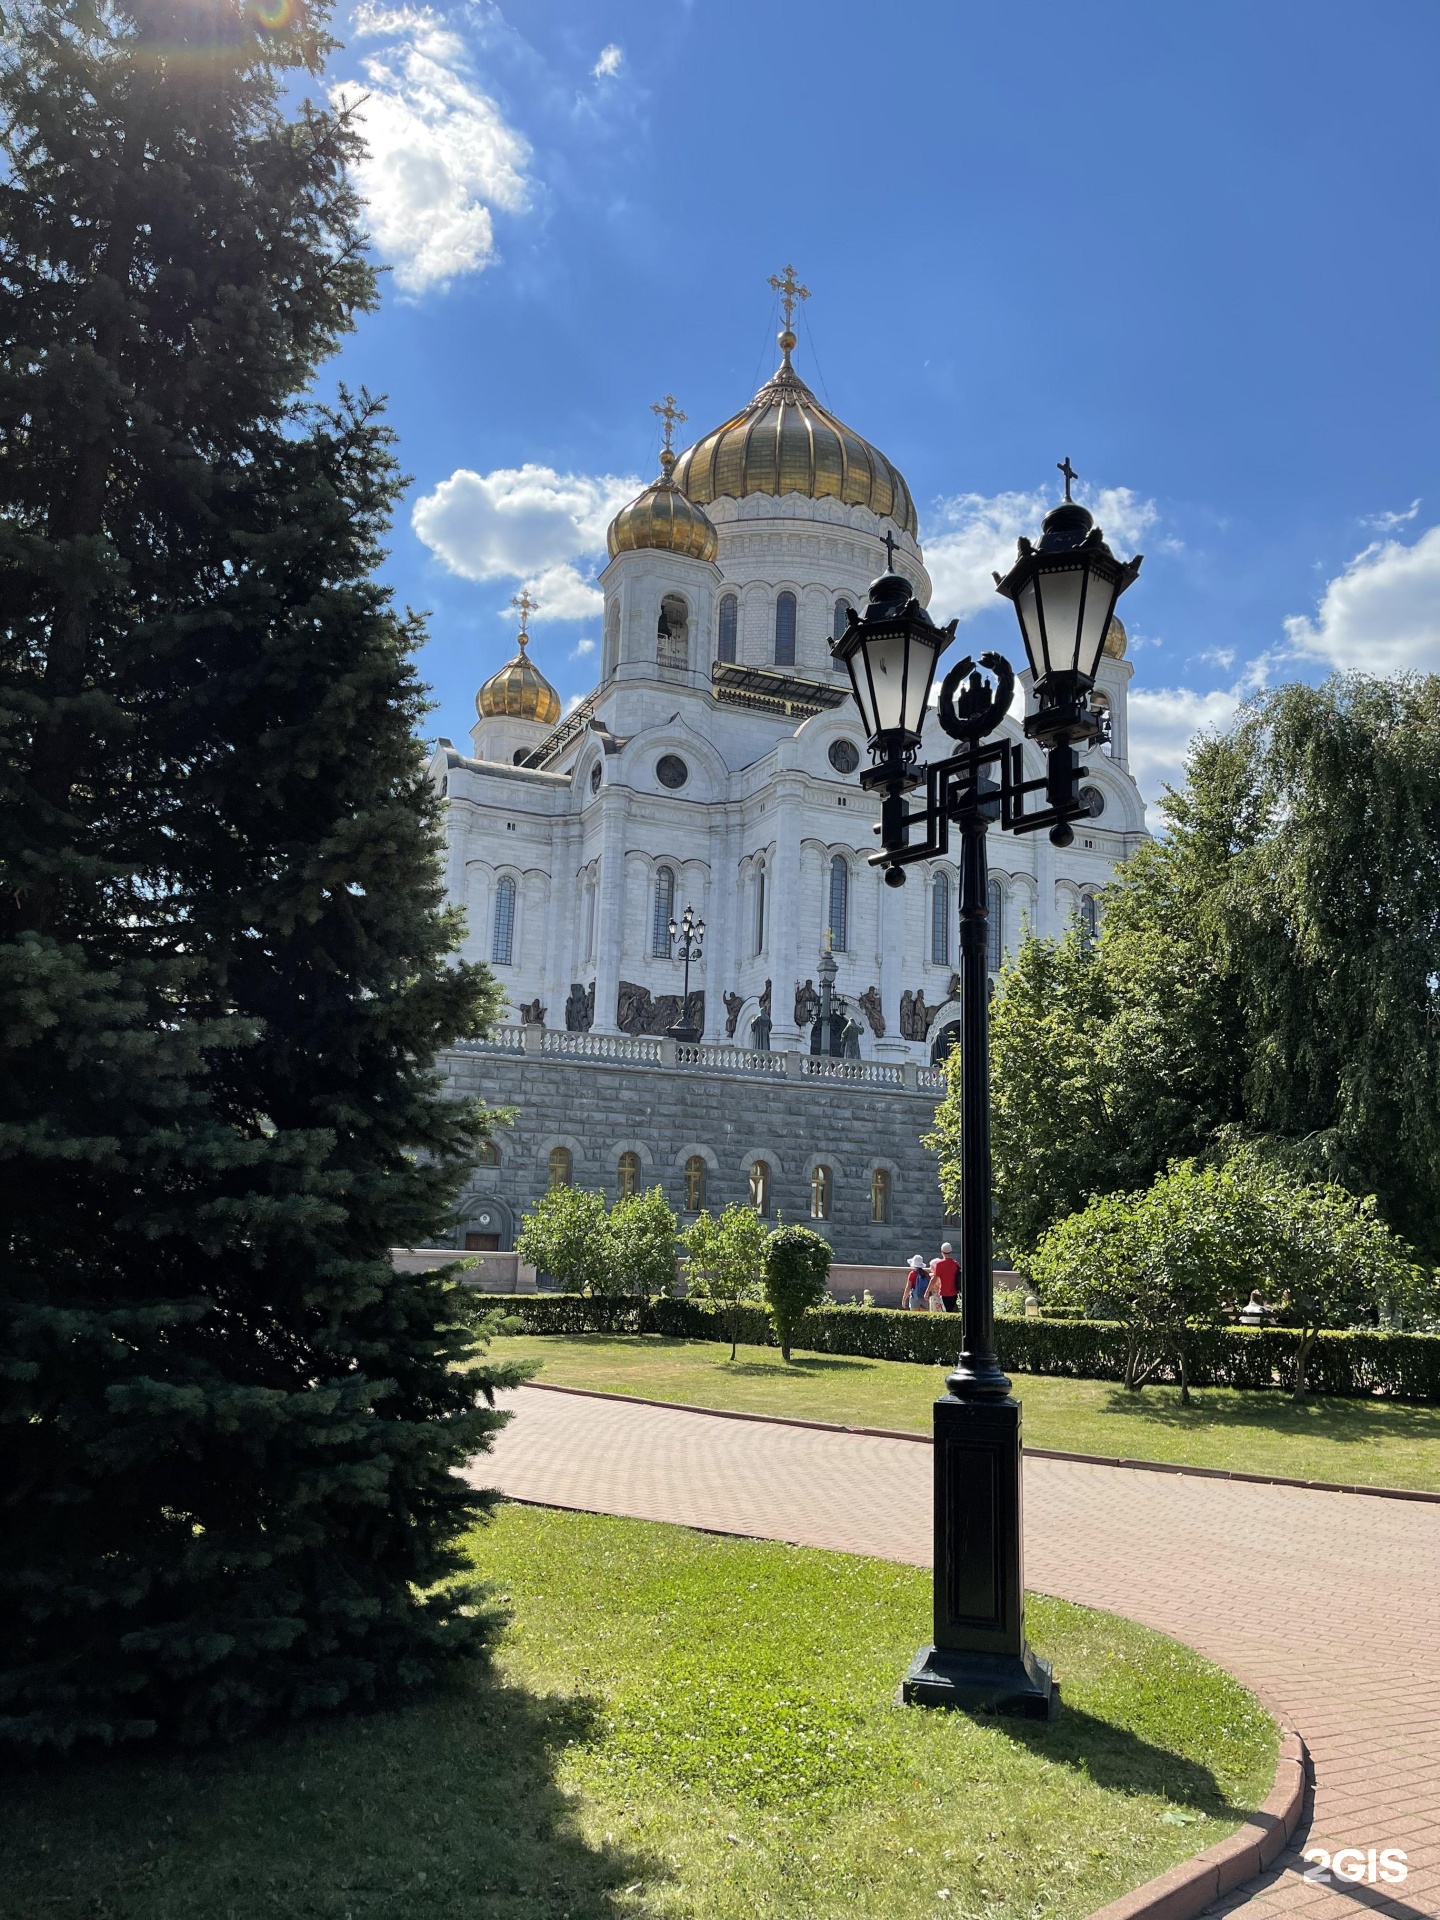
[(1064, 588), (690, 933)]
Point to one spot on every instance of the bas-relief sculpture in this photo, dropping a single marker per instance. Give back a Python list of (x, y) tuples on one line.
[(580, 1008), (869, 1004), (915, 1016), (639, 1011)]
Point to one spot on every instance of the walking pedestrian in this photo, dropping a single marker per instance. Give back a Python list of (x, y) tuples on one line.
[(917, 1279), (945, 1278)]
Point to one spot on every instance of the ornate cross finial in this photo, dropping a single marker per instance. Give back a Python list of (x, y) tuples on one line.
[(670, 414), (526, 607), (889, 552), (790, 291), (1069, 473)]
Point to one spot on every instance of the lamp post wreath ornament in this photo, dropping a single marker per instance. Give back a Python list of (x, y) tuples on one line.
[(1064, 588)]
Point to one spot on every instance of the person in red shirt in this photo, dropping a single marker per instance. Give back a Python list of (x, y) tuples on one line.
[(945, 1278)]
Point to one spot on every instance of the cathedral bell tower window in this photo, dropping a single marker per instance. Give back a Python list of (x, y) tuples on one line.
[(839, 924), (664, 913), (729, 623), (785, 630), (672, 633), (940, 920)]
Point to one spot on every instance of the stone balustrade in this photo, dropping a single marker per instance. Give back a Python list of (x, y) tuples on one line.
[(660, 1050)]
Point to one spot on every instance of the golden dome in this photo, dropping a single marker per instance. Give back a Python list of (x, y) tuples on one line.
[(1116, 638), (663, 517), (786, 442), (519, 691)]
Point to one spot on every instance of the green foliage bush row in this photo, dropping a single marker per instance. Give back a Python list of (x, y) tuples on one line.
[(1396, 1366)]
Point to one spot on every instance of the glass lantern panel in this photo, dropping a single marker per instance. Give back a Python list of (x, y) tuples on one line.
[(1060, 591), (860, 687), (885, 658), (1028, 610), (1100, 599), (923, 655)]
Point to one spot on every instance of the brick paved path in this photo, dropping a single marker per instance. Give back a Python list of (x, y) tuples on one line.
[(1327, 1605)]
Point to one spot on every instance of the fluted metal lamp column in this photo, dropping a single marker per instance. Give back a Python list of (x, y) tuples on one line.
[(1064, 588)]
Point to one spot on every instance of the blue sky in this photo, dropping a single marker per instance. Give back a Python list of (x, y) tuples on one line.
[(1193, 249)]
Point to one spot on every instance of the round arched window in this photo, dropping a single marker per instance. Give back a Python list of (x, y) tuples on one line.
[(671, 771), (844, 756)]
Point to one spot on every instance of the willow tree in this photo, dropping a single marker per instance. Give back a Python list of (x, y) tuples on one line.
[(229, 1428)]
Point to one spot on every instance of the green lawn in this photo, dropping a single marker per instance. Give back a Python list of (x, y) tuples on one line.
[(1362, 1442), (677, 1726)]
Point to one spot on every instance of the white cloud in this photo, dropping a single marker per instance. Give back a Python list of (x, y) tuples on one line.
[(1163, 722), (612, 59), (977, 532), (1388, 522), (1222, 657), (579, 651), (1381, 615), (441, 153), (527, 523)]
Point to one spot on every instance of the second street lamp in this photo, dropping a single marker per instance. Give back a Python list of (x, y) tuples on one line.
[(689, 933), (1064, 587)]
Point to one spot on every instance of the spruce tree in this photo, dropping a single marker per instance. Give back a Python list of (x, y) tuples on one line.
[(230, 1430)]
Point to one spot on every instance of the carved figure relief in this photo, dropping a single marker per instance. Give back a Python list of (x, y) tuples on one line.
[(532, 1014), (638, 1011), (580, 1008), (733, 1003), (765, 1001), (807, 1004), (869, 1004), (915, 1016)]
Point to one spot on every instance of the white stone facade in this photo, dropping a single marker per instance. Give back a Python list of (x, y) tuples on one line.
[(558, 864)]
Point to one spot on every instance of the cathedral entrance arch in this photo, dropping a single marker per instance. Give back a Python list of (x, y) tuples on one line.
[(945, 1042)]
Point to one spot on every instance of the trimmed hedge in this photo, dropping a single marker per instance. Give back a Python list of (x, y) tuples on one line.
[(1394, 1366)]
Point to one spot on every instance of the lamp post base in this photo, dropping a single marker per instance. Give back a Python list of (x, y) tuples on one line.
[(982, 1683)]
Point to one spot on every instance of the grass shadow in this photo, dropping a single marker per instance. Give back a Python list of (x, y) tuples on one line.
[(450, 1806), (802, 1363), (1122, 1761), (1345, 1421)]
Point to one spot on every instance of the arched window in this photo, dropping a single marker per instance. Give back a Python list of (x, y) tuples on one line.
[(560, 1166), (940, 920), (694, 1183), (839, 926), (995, 932), (502, 946), (820, 1186), (612, 637), (489, 1154), (672, 633), (629, 1174), (729, 622), (842, 617), (785, 630), (760, 1187), (664, 912), (880, 1197), (760, 908), (1089, 917)]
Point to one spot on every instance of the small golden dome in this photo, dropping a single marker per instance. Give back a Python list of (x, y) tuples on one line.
[(786, 442), (663, 517), (1116, 638), (519, 691)]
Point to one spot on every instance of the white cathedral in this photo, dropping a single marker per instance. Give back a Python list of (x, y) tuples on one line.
[(715, 766)]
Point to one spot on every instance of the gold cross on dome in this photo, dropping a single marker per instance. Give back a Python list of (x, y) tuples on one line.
[(790, 292), (670, 414), (526, 607)]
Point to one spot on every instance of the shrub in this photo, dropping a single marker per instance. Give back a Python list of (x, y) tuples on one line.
[(797, 1265), (726, 1260), (566, 1235), (1393, 1366), (643, 1231)]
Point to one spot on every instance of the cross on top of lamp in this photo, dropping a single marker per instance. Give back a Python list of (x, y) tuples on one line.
[(1064, 589)]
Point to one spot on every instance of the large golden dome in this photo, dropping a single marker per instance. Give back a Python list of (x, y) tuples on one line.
[(786, 442), (1116, 638), (519, 691), (666, 518)]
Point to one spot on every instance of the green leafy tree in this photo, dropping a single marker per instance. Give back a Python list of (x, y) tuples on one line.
[(230, 1429), (567, 1235), (726, 1262), (1268, 972), (797, 1267), (643, 1234)]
